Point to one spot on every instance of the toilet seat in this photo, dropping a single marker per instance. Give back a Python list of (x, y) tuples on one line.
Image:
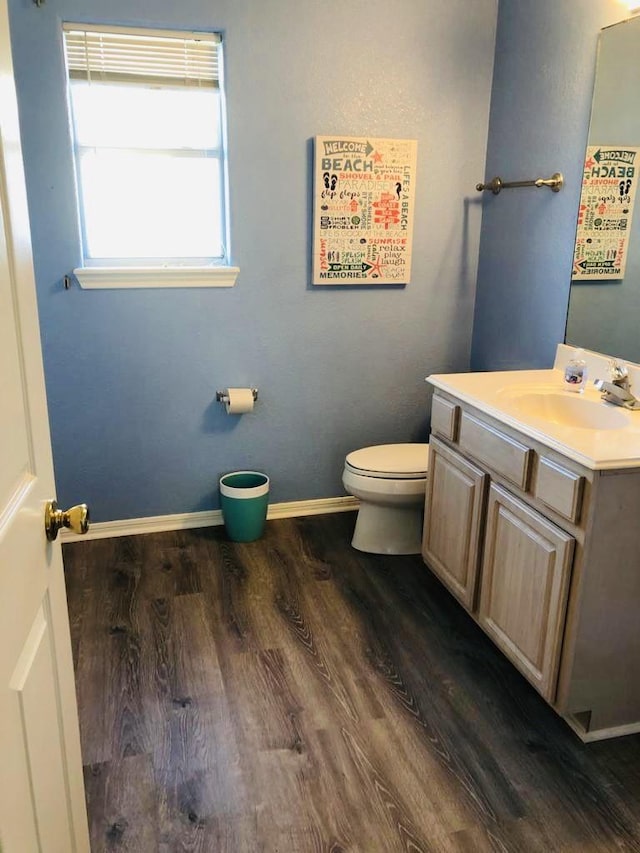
[(390, 461)]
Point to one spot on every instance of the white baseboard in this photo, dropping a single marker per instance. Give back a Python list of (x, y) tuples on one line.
[(211, 518)]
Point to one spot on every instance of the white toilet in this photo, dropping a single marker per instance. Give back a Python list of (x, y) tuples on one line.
[(390, 480)]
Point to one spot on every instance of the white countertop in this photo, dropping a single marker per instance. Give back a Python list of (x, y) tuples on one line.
[(498, 394)]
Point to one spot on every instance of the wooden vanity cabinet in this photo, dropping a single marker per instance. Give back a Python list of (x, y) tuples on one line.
[(526, 562), (545, 556)]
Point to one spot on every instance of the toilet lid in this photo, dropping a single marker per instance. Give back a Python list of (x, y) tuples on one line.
[(393, 461)]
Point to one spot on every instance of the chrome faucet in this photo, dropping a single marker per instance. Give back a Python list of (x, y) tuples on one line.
[(618, 390)]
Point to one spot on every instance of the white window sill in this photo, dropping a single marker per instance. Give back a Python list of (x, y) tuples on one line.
[(92, 278)]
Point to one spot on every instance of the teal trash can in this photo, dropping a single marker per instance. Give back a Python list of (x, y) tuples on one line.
[(244, 497)]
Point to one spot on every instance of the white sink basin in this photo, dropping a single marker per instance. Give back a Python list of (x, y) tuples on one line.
[(566, 409), (581, 427)]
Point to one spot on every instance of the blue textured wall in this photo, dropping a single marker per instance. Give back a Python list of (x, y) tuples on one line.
[(540, 107), (131, 376)]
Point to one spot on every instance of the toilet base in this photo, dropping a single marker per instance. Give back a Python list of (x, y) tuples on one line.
[(388, 529)]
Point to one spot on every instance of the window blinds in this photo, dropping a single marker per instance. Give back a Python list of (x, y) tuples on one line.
[(142, 56)]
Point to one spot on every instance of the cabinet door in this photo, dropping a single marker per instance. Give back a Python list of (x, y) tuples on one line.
[(525, 583), (454, 503)]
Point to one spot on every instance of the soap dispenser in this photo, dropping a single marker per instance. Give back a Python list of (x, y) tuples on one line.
[(575, 373)]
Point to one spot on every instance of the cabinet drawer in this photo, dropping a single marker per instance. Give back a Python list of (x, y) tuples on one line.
[(504, 454), (444, 418), (559, 489)]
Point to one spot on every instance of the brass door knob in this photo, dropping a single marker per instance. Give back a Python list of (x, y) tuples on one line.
[(76, 518)]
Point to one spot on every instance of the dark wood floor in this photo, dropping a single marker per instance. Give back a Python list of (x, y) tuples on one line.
[(293, 694)]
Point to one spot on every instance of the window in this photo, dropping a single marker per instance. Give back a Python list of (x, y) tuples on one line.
[(148, 133)]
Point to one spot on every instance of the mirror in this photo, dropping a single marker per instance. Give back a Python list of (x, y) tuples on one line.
[(604, 313)]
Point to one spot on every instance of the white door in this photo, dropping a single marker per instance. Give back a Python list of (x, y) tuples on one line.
[(42, 805)]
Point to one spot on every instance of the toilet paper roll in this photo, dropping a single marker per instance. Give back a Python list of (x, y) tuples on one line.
[(239, 402)]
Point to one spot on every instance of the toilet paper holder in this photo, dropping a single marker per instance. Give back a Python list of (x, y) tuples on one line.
[(223, 397)]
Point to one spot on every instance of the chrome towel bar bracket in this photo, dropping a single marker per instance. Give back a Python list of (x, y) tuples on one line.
[(555, 184)]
